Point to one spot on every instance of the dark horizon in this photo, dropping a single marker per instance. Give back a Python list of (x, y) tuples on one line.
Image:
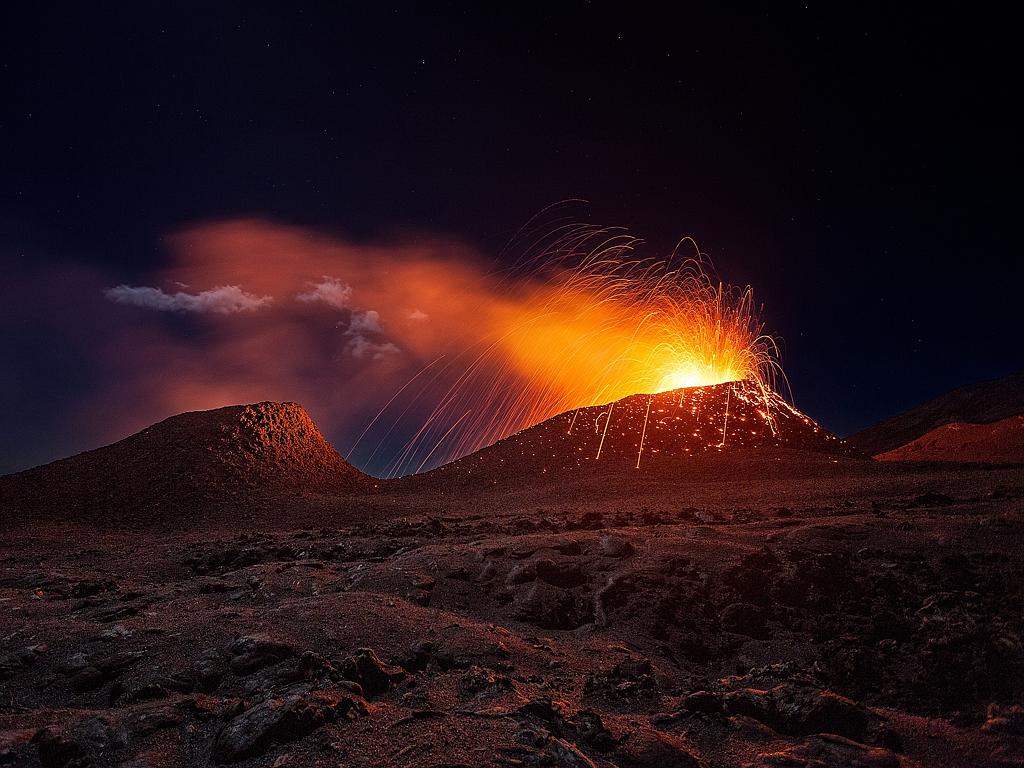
[(856, 169)]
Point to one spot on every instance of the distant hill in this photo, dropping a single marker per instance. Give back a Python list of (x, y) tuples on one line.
[(1001, 442), (186, 464), (981, 403), (647, 430)]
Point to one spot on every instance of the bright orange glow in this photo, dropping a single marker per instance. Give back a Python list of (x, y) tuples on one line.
[(456, 354), (583, 321)]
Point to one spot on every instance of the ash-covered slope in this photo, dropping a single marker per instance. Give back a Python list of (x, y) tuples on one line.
[(646, 430), (185, 464), (1001, 442), (981, 403)]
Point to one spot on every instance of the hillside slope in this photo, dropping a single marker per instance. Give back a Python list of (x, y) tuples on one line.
[(186, 463), (1001, 442), (980, 403), (646, 431)]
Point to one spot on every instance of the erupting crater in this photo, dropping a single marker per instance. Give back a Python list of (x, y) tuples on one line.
[(585, 322), (644, 429)]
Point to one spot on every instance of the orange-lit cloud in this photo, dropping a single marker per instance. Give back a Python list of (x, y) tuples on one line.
[(340, 325), (224, 299), (257, 310)]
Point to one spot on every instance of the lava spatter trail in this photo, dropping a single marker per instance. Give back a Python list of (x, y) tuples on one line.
[(587, 321), (650, 431)]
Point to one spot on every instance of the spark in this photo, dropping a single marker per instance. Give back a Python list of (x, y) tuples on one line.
[(387, 405), (604, 434), (572, 423), (725, 422), (643, 434), (583, 320)]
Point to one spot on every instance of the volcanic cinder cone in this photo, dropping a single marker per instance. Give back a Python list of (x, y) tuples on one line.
[(645, 430), (187, 464)]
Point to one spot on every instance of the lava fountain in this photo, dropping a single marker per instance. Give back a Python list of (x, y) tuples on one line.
[(580, 320)]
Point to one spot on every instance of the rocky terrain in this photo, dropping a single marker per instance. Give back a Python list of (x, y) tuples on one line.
[(758, 606)]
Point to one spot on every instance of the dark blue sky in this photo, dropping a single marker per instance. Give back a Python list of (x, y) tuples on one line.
[(858, 168)]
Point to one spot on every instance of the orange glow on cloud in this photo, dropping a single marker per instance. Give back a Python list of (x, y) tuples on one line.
[(348, 324)]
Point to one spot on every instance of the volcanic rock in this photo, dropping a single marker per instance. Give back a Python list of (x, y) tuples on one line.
[(89, 673), (892, 594), (60, 750), (155, 716), (280, 720), (799, 711), (254, 652), (424, 655), (477, 681), (705, 702), (830, 751), (295, 670), (1005, 719), (12, 663), (629, 680), (585, 726), (373, 675), (615, 546), (551, 607), (650, 749)]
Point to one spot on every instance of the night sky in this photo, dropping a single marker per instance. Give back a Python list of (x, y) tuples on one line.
[(860, 170)]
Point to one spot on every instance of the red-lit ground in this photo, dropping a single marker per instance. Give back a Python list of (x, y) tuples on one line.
[(762, 606), (999, 442)]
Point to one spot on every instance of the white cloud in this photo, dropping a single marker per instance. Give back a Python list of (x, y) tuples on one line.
[(419, 316), (362, 324), (223, 299), (330, 291), (364, 349), (367, 321)]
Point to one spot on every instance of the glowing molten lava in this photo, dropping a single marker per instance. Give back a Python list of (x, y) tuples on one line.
[(609, 329), (581, 322), (690, 376)]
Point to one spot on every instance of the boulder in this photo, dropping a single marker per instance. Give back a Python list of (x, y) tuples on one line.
[(373, 675), (281, 720), (551, 607), (615, 546), (252, 652)]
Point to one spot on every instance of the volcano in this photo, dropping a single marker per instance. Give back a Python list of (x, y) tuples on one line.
[(193, 461), (647, 430)]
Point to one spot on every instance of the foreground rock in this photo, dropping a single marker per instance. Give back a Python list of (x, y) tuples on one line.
[(816, 629), (281, 720)]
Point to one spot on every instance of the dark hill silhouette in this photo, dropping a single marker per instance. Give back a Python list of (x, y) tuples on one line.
[(188, 463), (981, 403)]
